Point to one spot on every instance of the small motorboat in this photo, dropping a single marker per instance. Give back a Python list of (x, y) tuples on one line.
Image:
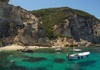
[(80, 55), (77, 50), (58, 49)]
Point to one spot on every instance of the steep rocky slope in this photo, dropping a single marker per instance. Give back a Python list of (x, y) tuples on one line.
[(17, 26), (71, 23), (46, 27)]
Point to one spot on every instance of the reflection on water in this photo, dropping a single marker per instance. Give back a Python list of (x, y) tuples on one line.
[(15, 67), (48, 61), (75, 68), (39, 68), (87, 63), (34, 59), (59, 60)]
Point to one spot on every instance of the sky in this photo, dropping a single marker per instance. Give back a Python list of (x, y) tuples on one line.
[(90, 6)]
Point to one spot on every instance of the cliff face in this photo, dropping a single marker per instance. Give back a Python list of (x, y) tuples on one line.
[(82, 30), (70, 23), (18, 26), (5, 1), (85, 28)]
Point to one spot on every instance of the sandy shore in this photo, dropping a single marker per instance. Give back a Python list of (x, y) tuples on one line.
[(16, 47)]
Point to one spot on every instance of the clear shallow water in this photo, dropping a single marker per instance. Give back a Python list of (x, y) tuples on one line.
[(44, 60)]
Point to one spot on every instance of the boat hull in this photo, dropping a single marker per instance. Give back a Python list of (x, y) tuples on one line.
[(78, 56)]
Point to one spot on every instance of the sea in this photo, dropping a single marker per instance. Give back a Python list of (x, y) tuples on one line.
[(49, 59)]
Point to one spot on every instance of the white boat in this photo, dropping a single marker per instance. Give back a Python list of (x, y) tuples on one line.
[(58, 49), (77, 50), (77, 55)]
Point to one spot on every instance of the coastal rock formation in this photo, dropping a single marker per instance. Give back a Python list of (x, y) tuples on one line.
[(18, 26), (71, 24), (85, 28), (21, 27), (5, 1), (79, 28)]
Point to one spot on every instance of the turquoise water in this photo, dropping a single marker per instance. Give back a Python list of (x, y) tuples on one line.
[(43, 60)]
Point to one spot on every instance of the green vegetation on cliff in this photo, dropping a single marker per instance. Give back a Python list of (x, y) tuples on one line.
[(57, 16)]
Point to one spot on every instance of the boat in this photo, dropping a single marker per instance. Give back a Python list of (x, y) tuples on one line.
[(58, 49), (77, 50), (77, 55)]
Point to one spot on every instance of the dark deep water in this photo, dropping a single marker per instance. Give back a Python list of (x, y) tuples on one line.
[(48, 59)]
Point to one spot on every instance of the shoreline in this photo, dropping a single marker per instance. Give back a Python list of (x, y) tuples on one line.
[(18, 47)]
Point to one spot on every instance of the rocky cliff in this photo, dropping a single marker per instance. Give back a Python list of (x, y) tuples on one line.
[(70, 23), (18, 26)]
